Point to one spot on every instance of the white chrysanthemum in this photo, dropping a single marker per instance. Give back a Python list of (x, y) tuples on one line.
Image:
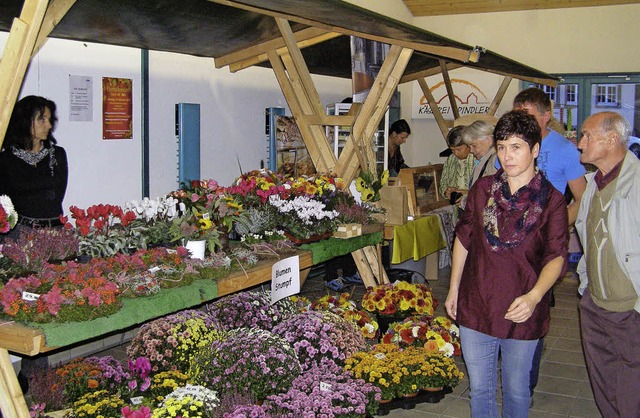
[(446, 349), (7, 204)]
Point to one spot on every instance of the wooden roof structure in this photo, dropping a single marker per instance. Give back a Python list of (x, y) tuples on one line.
[(296, 38)]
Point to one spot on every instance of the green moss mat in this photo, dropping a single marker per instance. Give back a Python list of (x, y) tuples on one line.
[(333, 247)]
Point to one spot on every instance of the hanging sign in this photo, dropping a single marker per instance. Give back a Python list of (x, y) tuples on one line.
[(473, 92), (117, 108), (285, 278)]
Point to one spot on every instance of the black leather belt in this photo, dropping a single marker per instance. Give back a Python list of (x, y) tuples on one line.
[(39, 222)]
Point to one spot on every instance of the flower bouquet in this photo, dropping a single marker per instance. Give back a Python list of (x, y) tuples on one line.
[(8, 214), (399, 299), (369, 185), (170, 342), (255, 359), (317, 335)]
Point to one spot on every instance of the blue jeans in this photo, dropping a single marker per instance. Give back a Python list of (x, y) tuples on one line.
[(480, 353)]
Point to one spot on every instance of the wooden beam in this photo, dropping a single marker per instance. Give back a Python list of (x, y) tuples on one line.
[(256, 54), (16, 57), (448, 7), (55, 12), (331, 120), (373, 109), (449, 87), (428, 72), (434, 108), (454, 53), (499, 95)]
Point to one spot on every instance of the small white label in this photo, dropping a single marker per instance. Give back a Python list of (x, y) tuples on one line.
[(205, 215), (380, 356), (137, 400), (171, 251), (28, 296), (154, 269), (325, 387)]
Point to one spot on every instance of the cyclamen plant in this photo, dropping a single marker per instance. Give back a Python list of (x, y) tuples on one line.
[(8, 214), (303, 216)]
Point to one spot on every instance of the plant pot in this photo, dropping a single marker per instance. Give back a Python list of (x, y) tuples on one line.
[(410, 395), (431, 389), (312, 238), (196, 248)]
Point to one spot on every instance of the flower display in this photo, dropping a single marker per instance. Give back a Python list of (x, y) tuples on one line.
[(250, 309), (316, 335), (369, 185), (303, 216), (170, 342), (8, 214), (85, 375), (399, 299), (188, 401), (255, 359), (163, 383)]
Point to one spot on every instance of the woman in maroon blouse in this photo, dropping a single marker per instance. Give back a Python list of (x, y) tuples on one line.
[(510, 248)]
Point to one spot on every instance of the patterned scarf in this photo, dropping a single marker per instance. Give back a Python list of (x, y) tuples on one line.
[(33, 158), (508, 218)]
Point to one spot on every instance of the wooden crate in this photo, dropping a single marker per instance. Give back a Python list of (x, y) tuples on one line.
[(345, 231), (423, 188)]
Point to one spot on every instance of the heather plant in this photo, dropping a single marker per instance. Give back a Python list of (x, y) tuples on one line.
[(35, 247), (47, 388), (315, 335), (255, 359)]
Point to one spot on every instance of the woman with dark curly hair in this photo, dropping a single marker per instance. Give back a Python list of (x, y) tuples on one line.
[(33, 170), (510, 248)]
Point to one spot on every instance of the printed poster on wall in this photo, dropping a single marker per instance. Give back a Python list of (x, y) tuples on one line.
[(474, 91), (80, 98), (117, 108)]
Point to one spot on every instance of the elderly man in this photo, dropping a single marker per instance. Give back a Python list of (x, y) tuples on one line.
[(609, 228)]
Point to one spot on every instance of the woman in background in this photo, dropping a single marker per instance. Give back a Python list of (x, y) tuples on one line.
[(33, 170), (398, 134), (456, 172)]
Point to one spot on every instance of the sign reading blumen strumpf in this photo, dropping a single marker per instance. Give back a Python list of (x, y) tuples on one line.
[(285, 278)]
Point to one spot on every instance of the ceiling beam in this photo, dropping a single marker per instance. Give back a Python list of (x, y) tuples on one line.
[(448, 7)]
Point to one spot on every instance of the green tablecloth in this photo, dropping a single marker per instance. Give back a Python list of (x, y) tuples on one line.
[(417, 238), (333, 247)]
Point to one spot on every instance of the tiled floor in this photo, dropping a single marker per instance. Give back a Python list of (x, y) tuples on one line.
[(563, 389)]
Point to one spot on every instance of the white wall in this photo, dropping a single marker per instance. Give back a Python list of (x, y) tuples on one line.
[(232, 117)]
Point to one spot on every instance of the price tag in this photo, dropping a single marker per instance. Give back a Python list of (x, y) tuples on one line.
[(325, 387), (171, 251), (136, 400), (28, 296), (380, 356)]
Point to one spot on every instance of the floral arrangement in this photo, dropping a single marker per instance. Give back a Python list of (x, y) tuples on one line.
[(104, 230), (34, 247), (163, 383), (399, 299), (255, 187), (414, 331), (170, 342), (153, 218), (326, 389), (258, 360), (8, 214), (250, 309), (315, 335), (51, 298), (85, 375), (188, 401), (347, 309), (369, 185)]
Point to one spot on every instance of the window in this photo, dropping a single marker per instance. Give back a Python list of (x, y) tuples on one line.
[(551, 92), (607, 95), (571, 94)]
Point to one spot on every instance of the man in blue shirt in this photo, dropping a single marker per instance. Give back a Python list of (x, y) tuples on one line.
[(559, 160)]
